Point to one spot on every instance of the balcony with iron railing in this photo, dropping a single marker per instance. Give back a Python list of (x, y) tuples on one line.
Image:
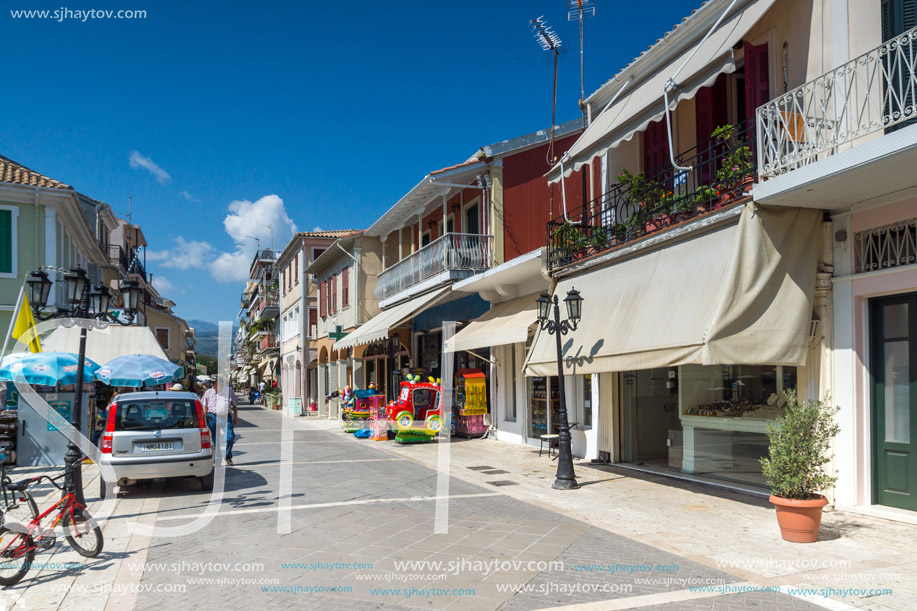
[(268, 342), (722, 172), (460, 254), (872, 94), (121, 259)]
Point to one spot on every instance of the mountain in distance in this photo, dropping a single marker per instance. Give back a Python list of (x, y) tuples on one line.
[(207, 336)]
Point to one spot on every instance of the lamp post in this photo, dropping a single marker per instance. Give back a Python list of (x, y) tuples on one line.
[(82, 302), (566, 478)]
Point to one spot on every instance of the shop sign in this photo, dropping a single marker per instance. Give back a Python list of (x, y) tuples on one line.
[(294, 406)]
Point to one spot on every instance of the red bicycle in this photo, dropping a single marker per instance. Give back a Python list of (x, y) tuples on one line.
[(18, 542)]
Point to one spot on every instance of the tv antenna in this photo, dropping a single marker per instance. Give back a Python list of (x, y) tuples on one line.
[(549, 41), (580, 9)]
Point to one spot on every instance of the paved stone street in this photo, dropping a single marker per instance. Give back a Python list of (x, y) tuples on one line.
[(357, 531)]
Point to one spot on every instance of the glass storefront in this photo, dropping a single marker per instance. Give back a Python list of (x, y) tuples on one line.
[(707, 420), (544, 402)]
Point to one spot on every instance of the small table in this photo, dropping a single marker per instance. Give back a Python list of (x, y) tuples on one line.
[(552, 443)]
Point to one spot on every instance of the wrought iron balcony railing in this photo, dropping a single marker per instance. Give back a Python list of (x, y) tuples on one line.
[(871, 93), (723, 170), (450, 252)]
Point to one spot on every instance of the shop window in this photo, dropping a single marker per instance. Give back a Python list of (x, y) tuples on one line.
[(586, 394), (510, 411)]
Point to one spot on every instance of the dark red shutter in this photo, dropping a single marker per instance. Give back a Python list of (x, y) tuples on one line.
[(655, 147), (334, 293), (710, 113), (757, 74), (296, 269), (322, 304), (345, 287)]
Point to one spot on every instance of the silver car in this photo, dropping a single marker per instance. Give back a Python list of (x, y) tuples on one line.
[(153, 434)]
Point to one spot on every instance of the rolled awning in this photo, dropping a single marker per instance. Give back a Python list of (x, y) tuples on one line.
[(641, 101), (378, 327), (740, 294), (506, 323)]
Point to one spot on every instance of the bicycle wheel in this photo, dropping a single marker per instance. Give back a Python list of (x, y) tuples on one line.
[(17, 551), (83, 535)]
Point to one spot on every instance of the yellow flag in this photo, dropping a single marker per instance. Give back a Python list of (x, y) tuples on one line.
[(24, 329)]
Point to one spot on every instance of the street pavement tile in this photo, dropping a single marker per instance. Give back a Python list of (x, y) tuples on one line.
[(519, 539)]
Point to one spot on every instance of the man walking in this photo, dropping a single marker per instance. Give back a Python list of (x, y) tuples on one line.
[(217, 401)]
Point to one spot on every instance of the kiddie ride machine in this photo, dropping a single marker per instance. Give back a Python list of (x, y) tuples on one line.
[(417, 415), (364, 413)]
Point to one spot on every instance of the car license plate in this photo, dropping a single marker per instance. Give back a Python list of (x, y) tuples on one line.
[(156, 447)]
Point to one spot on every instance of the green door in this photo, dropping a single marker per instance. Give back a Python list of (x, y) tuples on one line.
[(894, 400)]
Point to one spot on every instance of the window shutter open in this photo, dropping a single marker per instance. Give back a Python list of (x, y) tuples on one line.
[(322, 304), (757, 75), (655, 147), (345, 287), (6, 242), (334, 293)]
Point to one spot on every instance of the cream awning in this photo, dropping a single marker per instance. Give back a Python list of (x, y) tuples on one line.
[(740, 294), (641, 101), (506, 323), (268, 367), (378, 327), (103, 345)]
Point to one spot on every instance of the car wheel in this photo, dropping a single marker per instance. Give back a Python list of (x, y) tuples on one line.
[(207, 482), (105, 489)]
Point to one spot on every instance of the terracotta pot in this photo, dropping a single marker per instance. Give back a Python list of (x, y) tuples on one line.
[(799, 521)]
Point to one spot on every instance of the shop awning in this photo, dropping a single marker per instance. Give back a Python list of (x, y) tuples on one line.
[(641, 100), (740, 294), (379, 326), (268, 367), (506, 323), (103, 345)]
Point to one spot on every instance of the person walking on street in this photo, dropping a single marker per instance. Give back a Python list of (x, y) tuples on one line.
[(218, 400)]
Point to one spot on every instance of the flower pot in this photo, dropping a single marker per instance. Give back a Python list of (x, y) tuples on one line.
[(654, 224), (799, 521)]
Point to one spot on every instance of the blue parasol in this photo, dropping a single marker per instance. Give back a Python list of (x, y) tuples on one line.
[(136, 370), (45, 368)]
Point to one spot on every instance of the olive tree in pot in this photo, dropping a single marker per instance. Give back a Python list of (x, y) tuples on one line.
[(800, 449)]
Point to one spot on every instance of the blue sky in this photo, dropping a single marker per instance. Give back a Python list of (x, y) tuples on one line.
[(218, 116)]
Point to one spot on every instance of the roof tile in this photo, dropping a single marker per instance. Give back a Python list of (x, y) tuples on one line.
[(16, 173)]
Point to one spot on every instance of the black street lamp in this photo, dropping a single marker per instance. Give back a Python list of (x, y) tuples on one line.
[(77, 291), (566, 478)]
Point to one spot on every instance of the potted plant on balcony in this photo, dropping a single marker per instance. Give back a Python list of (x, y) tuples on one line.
[(735, 175), (800, 448)]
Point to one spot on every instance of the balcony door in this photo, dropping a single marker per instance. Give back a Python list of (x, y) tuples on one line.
[(894, 400), (472, 223), (899, 16)]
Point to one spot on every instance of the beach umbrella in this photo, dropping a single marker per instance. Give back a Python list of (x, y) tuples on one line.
[(136, 370), (45, 368)]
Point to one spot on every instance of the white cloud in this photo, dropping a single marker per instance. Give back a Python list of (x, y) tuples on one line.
[(317, 228), (162, 284), (245, 221), (252, 220), (139, 161), (186, 254), (188, 197)]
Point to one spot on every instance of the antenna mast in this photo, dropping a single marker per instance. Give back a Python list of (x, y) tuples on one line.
[(549, 41), (578, 10)]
